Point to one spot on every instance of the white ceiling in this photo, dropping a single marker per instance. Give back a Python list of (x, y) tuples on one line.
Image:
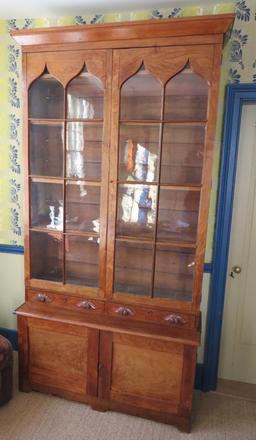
[(50, 8)]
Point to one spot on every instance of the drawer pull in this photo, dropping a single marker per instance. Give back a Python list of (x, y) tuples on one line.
[(175, 319), (42, 297), (87, 305), (124, 311)]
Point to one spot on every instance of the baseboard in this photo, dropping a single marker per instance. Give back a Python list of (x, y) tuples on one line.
[(11, 249), (11, 335)]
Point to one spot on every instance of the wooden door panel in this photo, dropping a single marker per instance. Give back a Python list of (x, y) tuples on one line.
[(146, 367), (143, 372), (198, 83), (63, 357), (165, 62), (64, 65)]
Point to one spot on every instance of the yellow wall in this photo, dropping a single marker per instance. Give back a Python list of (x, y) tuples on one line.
[(12, 288), (239, 65)]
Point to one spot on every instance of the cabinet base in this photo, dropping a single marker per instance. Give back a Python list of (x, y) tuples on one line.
[(58, 392), (181, 422)]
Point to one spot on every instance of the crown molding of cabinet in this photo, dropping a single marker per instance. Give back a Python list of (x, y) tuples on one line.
[(110, 33)]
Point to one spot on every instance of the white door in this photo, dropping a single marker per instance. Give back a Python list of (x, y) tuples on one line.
[(238, 344)]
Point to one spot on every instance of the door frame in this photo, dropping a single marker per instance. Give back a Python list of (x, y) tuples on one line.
[(236, 96)]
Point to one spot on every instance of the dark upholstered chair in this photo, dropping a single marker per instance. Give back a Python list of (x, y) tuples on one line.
[(6, 370)]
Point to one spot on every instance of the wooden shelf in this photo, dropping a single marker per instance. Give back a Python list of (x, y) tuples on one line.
[(171, 243), (61, 180), (162, 121), (161, 185), (67, 233), (46, 179), (75, 180), (45, 230)]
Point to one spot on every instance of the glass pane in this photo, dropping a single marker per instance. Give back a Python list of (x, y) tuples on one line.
[(82, 207), (46, 98), (82, 260), (46, 149), (138, 152), (136, 210), (178, 215), (50, 246), (47, 205), (85, 96), (182, 154), (174, 271), (84, 148), (133, 268), (186, 97), (141, 97)]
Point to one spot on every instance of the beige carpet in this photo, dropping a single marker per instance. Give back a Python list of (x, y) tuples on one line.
[(35, 416)]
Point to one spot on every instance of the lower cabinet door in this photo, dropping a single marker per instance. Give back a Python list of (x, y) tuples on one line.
[(151, 374), (58, 358)]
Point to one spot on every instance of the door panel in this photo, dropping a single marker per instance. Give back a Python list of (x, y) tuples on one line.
[(146, 372), (65, 65), (238, 346), (146, 368), (63, 357), (160, 153), (68, 214), (166, 62)]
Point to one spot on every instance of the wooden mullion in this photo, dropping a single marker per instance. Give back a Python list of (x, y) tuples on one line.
[(206, 176), (46, 179), (86, 120), (185, 122), (104, 193), (135, 182), (56, 121), (113, 172), (158, 179), (26, 155), (64, 185), (165, 121), (140, 121)]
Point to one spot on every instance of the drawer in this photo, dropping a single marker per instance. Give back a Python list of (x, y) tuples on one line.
[(165, 317), (66, 301)]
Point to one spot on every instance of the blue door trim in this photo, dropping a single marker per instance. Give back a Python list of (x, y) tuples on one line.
[(236, 96), (11, 249)]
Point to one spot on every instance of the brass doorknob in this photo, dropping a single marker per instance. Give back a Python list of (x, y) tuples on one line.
[(235, 270)]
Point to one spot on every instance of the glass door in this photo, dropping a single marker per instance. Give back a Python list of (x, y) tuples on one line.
[(160, 148), (66, 131)]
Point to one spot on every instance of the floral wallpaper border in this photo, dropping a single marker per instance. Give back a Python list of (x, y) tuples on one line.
[(239, 65)]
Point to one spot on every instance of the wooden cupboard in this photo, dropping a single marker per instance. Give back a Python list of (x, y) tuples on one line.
[(119, 125)]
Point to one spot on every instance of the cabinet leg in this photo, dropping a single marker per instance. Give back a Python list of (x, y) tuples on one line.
[(24, 384), (98, 406), (25, 388), (185, 426)]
